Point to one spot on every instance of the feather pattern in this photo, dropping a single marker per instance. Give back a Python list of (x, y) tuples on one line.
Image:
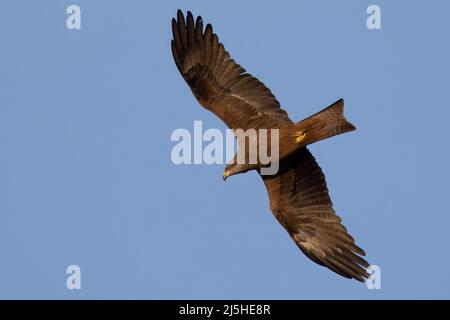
[(218, 82), (300, 201)]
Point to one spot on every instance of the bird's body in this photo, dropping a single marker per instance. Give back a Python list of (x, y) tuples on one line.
[(298, 193)]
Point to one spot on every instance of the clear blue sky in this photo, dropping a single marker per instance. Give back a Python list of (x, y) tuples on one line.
[(86, 176)]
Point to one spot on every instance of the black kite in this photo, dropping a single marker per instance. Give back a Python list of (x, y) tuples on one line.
[(298, 192)]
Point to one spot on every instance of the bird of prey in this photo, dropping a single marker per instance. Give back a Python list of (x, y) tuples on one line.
[(298, 193)]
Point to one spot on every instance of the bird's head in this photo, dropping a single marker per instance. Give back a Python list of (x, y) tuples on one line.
[(234, 168)]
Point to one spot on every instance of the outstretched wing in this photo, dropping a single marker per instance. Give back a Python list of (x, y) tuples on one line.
[(300, 201), (218, 82)]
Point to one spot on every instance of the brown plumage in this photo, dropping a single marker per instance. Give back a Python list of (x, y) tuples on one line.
[(298, 192)]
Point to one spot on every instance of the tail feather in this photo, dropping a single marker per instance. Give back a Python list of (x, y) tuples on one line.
[(326, 123)]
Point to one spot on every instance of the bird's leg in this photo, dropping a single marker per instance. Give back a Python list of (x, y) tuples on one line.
[(299, 136)]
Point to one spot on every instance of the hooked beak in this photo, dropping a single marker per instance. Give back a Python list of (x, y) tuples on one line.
[(226, 174)]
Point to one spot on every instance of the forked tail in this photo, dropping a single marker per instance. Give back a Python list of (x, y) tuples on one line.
[(326, 123)]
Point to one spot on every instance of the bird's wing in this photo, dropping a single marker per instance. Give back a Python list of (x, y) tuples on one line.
[(218, 82), (300, 201)]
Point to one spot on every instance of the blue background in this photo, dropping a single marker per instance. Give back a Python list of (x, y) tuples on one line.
[(86, 176)]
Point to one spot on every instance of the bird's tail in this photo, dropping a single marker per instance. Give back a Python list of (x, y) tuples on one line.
[(325, 124)]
